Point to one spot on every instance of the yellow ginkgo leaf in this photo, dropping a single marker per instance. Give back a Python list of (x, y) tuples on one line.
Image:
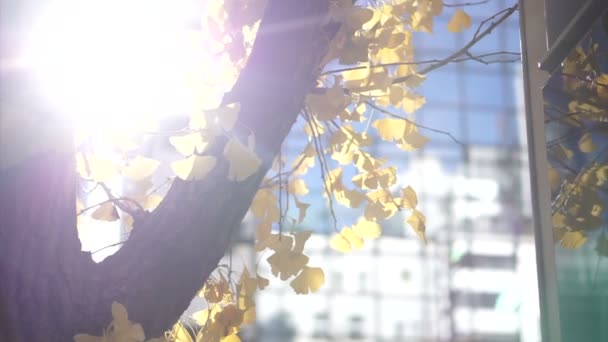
[(261, 282), (573, 239), (122, 328), (264, 206), (357, 76), (344, 155), (180, 333), (194, 167), (88, 338), (356, 17), (188, 144), (377, 211), (229, 318), (418, 222), (228, 115), (373, 21), (302, 208), (367, 229), (391, 129), (297, 186), (554, 179), (183, 167), (436, 7), (215, 291), (128, 221), (585, 144), (243, 161), (152, 201), (300, 239), (413, 141), (310, 280), (349, 198), (422, 21), (562, 152), (97, 168), (201, 317), (263, 230), (140, 168), (286, 263), (119, 314), (329, 105), (413, 102), (314, 128), (231, 338), (333, 179), (346, 241), (202, 166), (106, 212), (460, 21), (409, 199)]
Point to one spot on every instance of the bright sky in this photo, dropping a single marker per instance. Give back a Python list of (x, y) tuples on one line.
[(114, 62)]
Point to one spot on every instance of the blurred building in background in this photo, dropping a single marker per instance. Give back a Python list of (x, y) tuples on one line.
[(476, 278)]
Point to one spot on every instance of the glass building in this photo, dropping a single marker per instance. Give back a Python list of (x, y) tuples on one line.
[(476, 278)]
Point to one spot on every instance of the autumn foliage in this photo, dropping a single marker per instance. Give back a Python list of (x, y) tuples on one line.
[(346, 74)]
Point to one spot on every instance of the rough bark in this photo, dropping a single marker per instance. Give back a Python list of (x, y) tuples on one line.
[(50, 290)]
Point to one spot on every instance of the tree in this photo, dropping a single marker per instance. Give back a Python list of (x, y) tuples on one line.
[(47, 279)]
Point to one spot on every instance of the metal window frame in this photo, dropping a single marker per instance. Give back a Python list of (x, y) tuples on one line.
[(534, 48)]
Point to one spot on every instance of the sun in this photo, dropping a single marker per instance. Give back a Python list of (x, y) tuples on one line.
[(108, 64)]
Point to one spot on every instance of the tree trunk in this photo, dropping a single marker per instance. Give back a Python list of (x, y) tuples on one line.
[(50, 290)]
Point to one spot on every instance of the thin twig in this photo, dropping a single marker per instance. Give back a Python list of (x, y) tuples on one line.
[(109, 246), (576, 182), (281, 214), (584, 79), (270, 182), (136, 212), (322, 167), (478, 58), (463, 4), (114, 200), (167, 181), (506, 13)]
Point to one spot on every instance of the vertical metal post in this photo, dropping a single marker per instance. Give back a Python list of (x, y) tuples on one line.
[(534, 46)]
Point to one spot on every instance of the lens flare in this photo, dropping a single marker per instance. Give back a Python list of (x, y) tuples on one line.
[(110, 63)]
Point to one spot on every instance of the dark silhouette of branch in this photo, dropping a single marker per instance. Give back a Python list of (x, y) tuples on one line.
[(477, 58), (464, 4), (500, 17)]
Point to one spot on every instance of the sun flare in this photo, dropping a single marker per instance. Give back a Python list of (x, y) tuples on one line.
[(119, 64)]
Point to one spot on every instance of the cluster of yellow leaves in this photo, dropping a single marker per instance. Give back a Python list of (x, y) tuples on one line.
[(228, 309), (119, 330), (404, 133), (578, 207), (288, 259), (232, 26), (242, 160), (100, 169), (350, 239), (382, 205), (377, 42)]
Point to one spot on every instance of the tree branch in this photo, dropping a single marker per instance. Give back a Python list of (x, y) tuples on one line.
[(478, 58), (479, 35), (173, 250)]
